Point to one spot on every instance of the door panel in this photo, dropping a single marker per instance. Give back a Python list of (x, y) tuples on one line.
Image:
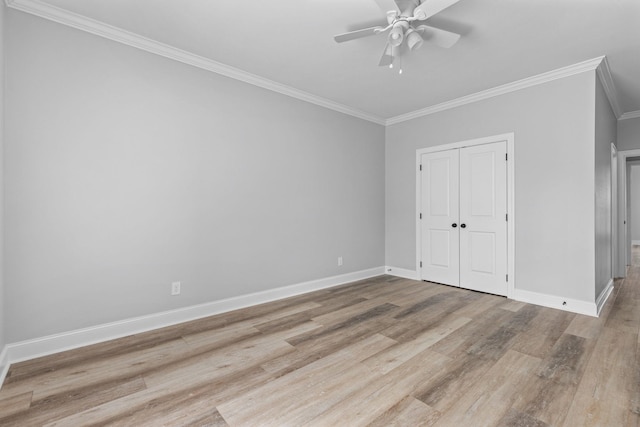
[(439, 186), (483, 208), (439, 248), (482, 178), (482, 252), (440, 242)]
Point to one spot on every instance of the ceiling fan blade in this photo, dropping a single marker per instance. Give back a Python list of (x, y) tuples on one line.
[(387, 56), (428, 8), (352, 35), (438, 36), (388, 5)]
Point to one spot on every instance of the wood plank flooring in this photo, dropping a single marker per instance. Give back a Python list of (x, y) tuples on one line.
[(380, 352)]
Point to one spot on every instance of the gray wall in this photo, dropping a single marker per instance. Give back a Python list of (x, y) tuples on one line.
[(629, 134), (605, 134), (2, 304), (127, 171), (554, 173)]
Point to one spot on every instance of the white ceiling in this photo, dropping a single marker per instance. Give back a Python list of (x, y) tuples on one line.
[(291, 42)]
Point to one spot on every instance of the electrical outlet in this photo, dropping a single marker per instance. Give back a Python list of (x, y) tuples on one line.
[(339, 261), (175, 288)]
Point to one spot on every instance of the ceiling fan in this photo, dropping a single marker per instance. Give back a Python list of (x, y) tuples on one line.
[(403, 29)]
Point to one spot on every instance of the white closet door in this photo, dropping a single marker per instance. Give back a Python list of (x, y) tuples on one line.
[(483, 222), (440, 238)]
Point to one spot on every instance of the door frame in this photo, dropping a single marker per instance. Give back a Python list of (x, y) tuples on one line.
[(509, 138)]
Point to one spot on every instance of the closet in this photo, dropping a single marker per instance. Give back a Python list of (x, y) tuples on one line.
[(463, 217)]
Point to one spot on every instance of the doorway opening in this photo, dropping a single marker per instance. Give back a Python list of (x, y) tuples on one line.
[(628, 209)]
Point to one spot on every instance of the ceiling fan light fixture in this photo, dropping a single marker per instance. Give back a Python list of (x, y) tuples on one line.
[(396, 36), (414, 39)]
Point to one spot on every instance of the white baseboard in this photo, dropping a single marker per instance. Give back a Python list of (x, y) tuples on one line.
[(552, 301), (401, 272), (4, 364), (604, 296), (30, 349)]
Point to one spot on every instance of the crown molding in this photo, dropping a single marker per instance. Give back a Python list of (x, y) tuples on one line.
[(604, 74), (630, 115), (581, 67), (64, 17)]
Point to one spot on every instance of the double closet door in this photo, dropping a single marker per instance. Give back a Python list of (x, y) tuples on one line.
[(463, 226)]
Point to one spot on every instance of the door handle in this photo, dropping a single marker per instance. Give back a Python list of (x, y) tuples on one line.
[(454, 225), (463, 225)]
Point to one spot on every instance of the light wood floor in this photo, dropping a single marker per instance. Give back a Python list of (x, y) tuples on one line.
[(379, 352)]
